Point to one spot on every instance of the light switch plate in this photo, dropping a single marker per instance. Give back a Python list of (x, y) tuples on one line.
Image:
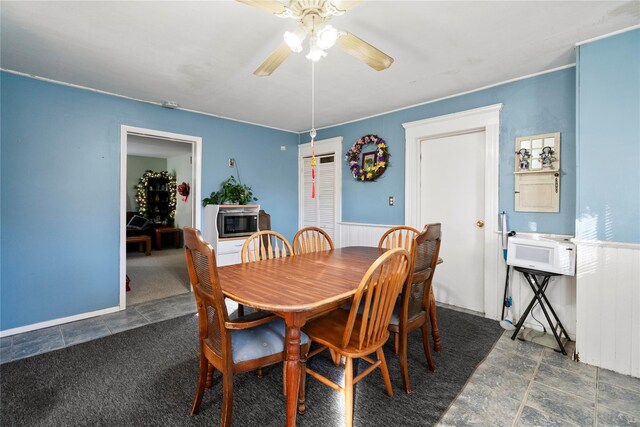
[(392, 200)]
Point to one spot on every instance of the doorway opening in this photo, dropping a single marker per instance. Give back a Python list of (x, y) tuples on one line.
[(152, 261), (325, 210), (478, 124)]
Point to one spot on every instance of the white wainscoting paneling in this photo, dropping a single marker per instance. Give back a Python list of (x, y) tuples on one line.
[(608, 305), (356, 234)]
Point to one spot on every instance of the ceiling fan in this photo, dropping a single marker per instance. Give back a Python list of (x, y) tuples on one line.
[(313, 16)]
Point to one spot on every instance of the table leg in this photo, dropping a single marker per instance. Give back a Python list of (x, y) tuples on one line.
[(294, 322)]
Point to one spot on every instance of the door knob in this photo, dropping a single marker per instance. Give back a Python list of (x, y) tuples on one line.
[(480, 223)]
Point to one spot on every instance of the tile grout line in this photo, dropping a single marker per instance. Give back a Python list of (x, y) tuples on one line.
[(558, 390), (526, 394), (143, 316), (595, 405), (108, 328), (64, 342)]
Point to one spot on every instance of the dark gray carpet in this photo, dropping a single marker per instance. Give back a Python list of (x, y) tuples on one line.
[(147, 377)]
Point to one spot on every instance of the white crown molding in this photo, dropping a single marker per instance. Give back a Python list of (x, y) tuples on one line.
[(605, 36), (552, 70), (159, 104), (528, 76)]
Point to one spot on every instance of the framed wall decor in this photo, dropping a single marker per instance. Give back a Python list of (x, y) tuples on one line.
[(369, 159), (537, 173)]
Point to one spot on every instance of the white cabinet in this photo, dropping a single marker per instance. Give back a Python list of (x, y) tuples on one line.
[(227, 249)]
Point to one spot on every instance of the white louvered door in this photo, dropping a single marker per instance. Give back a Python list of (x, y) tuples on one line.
[(320, 212)]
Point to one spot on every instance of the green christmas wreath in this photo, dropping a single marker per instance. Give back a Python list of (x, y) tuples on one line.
[(141, 192)]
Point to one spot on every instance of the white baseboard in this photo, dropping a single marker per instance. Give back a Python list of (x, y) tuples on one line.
[(56, 322)]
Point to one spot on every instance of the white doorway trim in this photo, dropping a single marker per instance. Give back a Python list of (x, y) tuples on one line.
[(196, 192), (325, 146), (485, 119)]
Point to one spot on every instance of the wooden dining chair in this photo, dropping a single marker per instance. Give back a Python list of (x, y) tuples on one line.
[(265, 244), (359, 333), (311, 239), (230, 346), (415, 305), (402, 237), (398, 237)]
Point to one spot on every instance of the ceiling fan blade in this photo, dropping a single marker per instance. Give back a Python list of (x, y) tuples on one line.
[(271, 6), (346, 4), (363, 51), (273, 61)]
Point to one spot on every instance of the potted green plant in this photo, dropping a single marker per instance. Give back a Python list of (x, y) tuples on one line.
[(231, 192)]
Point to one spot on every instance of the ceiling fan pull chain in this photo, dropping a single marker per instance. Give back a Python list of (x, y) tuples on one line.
[(313, 132)]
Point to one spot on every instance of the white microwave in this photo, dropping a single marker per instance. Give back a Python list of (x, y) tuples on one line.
[(543, 254)]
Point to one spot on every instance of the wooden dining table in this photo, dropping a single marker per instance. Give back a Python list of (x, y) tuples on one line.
[(298, 288)]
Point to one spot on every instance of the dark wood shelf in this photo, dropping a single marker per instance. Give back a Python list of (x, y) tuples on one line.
[(157, 187)]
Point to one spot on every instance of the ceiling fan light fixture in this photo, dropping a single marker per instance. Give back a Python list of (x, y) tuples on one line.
[(315, 53), (326, 37)]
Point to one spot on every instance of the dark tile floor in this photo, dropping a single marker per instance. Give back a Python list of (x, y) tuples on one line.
[(43, 340), (525, 384)]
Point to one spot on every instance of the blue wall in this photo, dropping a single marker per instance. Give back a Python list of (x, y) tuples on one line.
[(608, 195), (60, 169), (541, 104), (59, 164)]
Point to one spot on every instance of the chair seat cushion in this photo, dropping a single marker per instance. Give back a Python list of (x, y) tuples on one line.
[(261, 341)]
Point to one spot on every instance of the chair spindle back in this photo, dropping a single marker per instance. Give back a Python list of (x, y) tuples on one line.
[(398, 237), (265, 245), (311, 239), (377, 292)]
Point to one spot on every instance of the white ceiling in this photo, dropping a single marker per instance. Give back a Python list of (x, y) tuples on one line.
[(202, 54), (156, 147)]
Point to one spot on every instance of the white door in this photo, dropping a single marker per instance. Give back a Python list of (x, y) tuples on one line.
[(320, 212), (452, 176)]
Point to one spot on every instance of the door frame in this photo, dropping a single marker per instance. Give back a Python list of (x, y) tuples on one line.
[(485, 119), (196, 192), (321, 148)]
